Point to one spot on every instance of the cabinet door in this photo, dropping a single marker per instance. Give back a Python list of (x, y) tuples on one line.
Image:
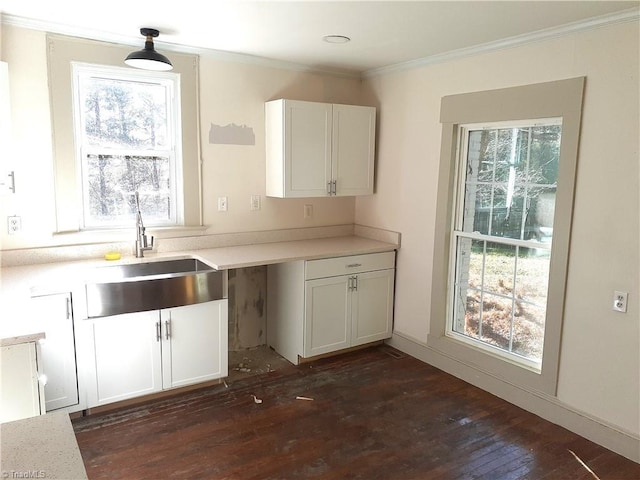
[(194, 345), (54, 316), (127, 356), (19, 392), (327, 325), (353, 149), (307, 148), (372, 307)]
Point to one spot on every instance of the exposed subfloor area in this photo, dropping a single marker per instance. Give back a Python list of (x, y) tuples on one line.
[(254, 361), (369, 414)]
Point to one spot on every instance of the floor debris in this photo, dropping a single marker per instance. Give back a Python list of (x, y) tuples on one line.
[(584, 465), (256, 399), (305, 398)]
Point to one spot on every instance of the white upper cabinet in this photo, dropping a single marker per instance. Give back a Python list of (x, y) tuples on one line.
[(319, 149)]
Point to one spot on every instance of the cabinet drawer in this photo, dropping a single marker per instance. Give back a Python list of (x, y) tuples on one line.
[(331, 267)]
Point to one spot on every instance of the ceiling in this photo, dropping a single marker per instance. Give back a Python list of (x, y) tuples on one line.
[(383, 33)]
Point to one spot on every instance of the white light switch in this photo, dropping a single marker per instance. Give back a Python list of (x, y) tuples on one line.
[(255, 202), (308, 211), (222, 204)]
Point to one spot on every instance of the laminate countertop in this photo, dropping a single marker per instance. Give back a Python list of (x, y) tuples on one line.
[(40, 447)]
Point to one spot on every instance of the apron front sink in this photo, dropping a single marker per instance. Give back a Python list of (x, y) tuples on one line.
[(146, 286)]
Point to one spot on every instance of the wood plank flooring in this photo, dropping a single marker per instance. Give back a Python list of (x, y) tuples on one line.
[(373, 416)]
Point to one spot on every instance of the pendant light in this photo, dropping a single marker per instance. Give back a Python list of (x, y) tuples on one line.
[(148, 58)]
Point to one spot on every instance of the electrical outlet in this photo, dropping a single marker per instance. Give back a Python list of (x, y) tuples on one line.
[(255, 202), (620, 301), (14, 224), (222, 204)]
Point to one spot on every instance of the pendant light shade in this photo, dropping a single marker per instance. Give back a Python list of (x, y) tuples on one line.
[(148, 58)]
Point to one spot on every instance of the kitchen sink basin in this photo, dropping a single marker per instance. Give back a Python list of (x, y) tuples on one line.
[(139, 287), (165, 267)]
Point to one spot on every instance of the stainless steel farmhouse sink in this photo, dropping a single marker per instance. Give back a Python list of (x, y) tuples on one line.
[(145, 286)]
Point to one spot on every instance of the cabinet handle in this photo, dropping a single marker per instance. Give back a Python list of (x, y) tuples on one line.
[(350, 283), (329, 183), (158, 332), (355, 283), (167, 329), (334, 187), (68, 308), (354, 265)]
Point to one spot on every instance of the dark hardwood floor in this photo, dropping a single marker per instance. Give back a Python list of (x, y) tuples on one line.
[(373, 416)]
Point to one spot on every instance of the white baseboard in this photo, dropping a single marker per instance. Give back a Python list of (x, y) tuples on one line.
[(547, 407)]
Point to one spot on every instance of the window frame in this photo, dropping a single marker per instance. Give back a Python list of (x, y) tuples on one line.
[(171, 82), (457, 231), (558, 99), (61, 52)]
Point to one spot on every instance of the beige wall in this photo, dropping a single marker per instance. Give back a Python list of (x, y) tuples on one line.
[(229, 93), (600, 351), (235, 93)]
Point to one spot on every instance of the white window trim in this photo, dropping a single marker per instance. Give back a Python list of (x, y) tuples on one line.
[(170, 80), (456, 229), (559, 99)]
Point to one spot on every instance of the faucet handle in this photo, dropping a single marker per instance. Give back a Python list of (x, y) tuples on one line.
[(147, 241)]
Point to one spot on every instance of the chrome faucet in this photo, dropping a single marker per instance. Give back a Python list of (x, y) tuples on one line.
[(143, 241)]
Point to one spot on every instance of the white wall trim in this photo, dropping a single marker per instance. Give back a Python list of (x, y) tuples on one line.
[(545, 406), (540, 35), (630, 15), (137, 41)]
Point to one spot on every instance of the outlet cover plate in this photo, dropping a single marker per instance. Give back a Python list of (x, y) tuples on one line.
[(14, 224)]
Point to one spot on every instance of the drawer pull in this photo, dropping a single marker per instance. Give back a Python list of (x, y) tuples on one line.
[(354, 265)]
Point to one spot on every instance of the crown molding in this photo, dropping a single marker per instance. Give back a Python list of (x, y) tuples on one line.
[(625, 16), (134, 41)]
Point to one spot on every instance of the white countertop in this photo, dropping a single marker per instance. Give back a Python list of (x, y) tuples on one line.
[(40, 447), (33, 337), (225, 258), (20, 283)]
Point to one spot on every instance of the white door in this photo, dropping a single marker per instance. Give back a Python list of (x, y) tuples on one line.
[(194, 343), (53, 314), (307, 148), (127, 356), (372, 307), (353, 149), (327, 325)]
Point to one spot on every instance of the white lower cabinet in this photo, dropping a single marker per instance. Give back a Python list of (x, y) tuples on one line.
[(21, 394), (194, 344), (141, 353), (54, 316), (327, 324), (321, 306)]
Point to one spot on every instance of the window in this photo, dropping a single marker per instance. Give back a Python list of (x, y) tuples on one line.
[(127, 128), (502, 237), (63, 53), (503, 222)]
